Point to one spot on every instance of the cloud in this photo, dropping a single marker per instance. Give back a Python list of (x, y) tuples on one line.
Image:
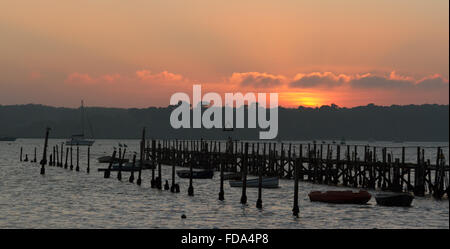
[(373, 81), (318, 79), (256, 79), (432, 82), (390, 81), (329, 80), (394, 81), (80, 78), (146, 75), (139, 76)]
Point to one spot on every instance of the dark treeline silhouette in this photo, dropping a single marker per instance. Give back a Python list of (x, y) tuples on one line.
[(371, 122)]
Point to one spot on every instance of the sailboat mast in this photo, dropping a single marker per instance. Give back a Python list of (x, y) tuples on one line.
[(82, 118)]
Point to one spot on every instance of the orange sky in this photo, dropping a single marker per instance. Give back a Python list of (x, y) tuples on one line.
[(137, 53)]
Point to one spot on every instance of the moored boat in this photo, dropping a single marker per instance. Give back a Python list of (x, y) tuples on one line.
[(108, 159), (340, 197), (394, 200), (128, 167), (203, 174), (79, 139), (8, 139), (267, 182)]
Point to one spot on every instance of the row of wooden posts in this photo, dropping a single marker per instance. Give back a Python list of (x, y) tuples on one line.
[(56, 158), (387, 174), (263, 159), (154, 154)]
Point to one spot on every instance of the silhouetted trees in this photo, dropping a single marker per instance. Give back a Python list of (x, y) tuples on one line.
[(383, 123)]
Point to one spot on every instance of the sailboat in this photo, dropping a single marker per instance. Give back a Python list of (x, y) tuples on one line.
[(79, 139)]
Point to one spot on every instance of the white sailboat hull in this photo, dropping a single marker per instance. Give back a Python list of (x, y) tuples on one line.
[(81, 142)]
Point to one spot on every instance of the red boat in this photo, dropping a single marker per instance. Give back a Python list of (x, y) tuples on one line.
[(341, 197)]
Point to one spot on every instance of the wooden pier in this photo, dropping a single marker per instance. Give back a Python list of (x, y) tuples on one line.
[(356, 166), (329, 164)]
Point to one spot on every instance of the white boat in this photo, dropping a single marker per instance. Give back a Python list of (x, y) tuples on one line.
[(79, 139), (267, 182)]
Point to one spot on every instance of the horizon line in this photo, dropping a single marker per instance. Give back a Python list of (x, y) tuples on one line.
[(280, 106)]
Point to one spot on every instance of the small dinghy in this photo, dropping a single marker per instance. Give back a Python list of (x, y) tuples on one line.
[(204, 174), (126, 167), (268, 182), (340, 197), (108, 159), (394, 200)]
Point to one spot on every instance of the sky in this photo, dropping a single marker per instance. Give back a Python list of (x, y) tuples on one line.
[(137, 53)]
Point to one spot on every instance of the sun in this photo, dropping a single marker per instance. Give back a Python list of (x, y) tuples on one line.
[(295, 99)]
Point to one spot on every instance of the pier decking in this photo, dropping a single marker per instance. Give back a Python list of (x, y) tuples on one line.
[(376, 168), (330, 164)]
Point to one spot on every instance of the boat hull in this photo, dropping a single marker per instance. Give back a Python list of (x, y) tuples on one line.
[(268, 182), (80, 142), (8, 139), (127, 167), (395, 200), (340, 197), (204, 174), (108, 159)]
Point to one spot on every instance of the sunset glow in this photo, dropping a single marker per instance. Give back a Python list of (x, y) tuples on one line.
[(138, 53)]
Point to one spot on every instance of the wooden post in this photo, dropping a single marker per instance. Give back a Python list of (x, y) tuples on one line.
[(44, 154), (437, 176), (67, 156), (71, 161), (419, 188), (259, 201), (88, 169), (356, 168), (154, 162), (141, 161), (21, 150), (107, 172), (131, 179), (35, 159), (295, 209), (57, 156), (384, 184), (338, 164), (62, 155), (121, 158), (172, 188), (191, 188), (78, 159), (52, 161), (244, 175), (159, 178), (227, 149)]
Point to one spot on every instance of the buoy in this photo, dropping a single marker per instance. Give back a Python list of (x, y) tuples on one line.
[(166, 185)]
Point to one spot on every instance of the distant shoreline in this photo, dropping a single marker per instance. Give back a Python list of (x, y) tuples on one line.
[(363, 123)]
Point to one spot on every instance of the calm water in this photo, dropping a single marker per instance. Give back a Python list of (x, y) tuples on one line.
[(68, 199)]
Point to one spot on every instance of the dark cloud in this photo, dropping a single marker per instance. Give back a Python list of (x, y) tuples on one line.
[(255, 79), (432, 83), (312, 80), (380, 82)]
